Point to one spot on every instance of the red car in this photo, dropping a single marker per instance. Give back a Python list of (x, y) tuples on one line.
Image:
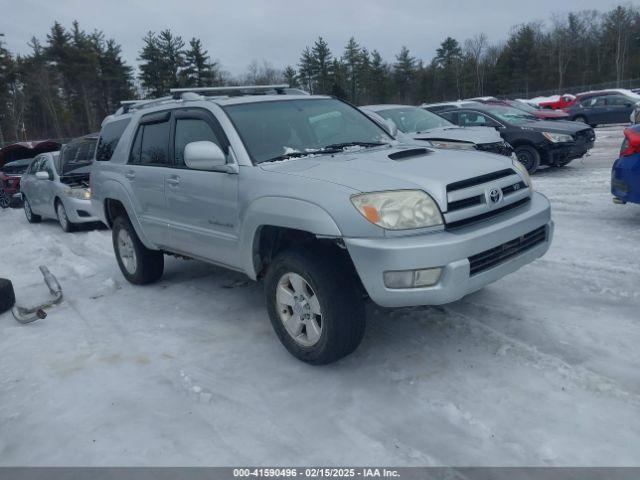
[(564, 101), (14, 160)]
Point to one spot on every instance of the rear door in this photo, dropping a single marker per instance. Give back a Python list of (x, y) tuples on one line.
[(619, 109), (148, 167), (202, 205), (595, 108)]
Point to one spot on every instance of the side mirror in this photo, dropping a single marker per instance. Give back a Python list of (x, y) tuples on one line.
[(204, 155), (392, 128), (42, 175)]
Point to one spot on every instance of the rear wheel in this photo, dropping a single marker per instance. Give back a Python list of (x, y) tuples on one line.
[(138, 264), (31, 217), (583, 119), (314, 305), (529, 157), (63, 219), (5, 201)]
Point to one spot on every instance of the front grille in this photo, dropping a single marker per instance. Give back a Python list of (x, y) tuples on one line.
[(483, 216), (587, 136), (500, 148), (500, 254), (471, 182)]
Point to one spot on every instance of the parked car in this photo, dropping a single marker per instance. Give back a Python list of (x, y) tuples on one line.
[(603, 108), (56, 185), (28, 149), (558, 102), (422, 125), (539, 113), (625, 174), (10, 176), (536, 142), (309, 195)]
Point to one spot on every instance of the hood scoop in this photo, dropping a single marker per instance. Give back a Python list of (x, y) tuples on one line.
[(413, 152)]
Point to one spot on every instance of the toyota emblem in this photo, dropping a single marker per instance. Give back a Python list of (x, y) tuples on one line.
[(495, 195)]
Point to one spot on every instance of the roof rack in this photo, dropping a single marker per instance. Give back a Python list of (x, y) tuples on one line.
[(240, 89)]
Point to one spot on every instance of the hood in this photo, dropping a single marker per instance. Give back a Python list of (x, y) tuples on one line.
[(477, 135), (555, 126), (372, 170)]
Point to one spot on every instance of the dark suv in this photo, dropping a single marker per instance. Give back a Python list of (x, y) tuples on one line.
[(602, 108), (536, 142)]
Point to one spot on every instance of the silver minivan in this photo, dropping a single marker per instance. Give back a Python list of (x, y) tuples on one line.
[(56, 185)]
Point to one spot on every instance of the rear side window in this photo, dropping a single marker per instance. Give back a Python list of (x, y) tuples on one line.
[(151, 146), (109, 138), (86, 150)]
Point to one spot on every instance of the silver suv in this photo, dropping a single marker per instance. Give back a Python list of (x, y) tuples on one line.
[(309, 195)]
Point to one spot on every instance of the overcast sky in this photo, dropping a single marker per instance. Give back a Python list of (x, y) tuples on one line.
[(235, 32)]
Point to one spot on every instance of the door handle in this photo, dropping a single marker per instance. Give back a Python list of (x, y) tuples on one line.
[(174, 181), (130, 175)]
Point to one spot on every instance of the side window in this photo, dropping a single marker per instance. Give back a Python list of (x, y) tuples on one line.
[(618, 101), (47, 167), (451, 116), (474, 119), (192, 130), (109, 138), (151, 145), (594, 102), (33, 168)]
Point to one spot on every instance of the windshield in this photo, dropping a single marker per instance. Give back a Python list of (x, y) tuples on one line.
[(413, 120), (279, 129), (509, 114)]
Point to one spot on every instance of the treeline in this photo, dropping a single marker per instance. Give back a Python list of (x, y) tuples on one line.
[(72, 79)]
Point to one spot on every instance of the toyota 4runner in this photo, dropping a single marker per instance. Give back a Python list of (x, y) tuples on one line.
[(315, 199)]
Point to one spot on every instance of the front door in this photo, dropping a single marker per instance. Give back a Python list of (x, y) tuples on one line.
[(202, 205)]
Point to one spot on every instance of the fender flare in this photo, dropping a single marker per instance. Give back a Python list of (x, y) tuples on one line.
[(113, 190), (283, 212)]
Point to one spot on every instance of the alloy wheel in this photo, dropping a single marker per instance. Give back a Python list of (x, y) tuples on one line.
[(299, 309), (126, 251)]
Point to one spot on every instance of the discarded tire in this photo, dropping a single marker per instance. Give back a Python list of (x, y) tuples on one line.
[(7, 295)]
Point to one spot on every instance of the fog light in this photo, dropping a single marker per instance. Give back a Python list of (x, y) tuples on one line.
[(412, 278)]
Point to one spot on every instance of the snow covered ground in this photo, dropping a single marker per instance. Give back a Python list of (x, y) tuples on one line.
[(541, 368)]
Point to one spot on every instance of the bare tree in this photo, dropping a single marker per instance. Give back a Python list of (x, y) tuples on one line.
[(475, 49)]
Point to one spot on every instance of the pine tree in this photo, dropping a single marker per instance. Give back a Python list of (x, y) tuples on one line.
[(198, 70), (404, 72), (291, 76), (323, 62), (352, 60)]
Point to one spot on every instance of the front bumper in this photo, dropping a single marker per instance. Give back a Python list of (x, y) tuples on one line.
[(559, 154), (625, 179), (451, 251), (79, 211)]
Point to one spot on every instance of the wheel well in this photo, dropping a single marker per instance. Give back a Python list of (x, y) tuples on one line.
[(113, 209), (271, 240)]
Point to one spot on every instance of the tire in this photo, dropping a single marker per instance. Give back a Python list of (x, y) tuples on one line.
[(138, 264), (63, 219), (332, 282), (7, 295), (529, 157), (31, 217), (5, 201)]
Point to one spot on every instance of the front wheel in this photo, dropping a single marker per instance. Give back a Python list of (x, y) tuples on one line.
[(529, 157), (63, 219), (5, 201), (31, 217), (138, 264), (314, 304)]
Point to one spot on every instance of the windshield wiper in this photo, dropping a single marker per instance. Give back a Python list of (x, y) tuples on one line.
[(285, 156), (339, 146)]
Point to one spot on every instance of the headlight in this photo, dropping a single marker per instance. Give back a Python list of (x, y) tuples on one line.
[(458, 145), (525, 174), (557, 137), (398, 210), (79, 193)]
